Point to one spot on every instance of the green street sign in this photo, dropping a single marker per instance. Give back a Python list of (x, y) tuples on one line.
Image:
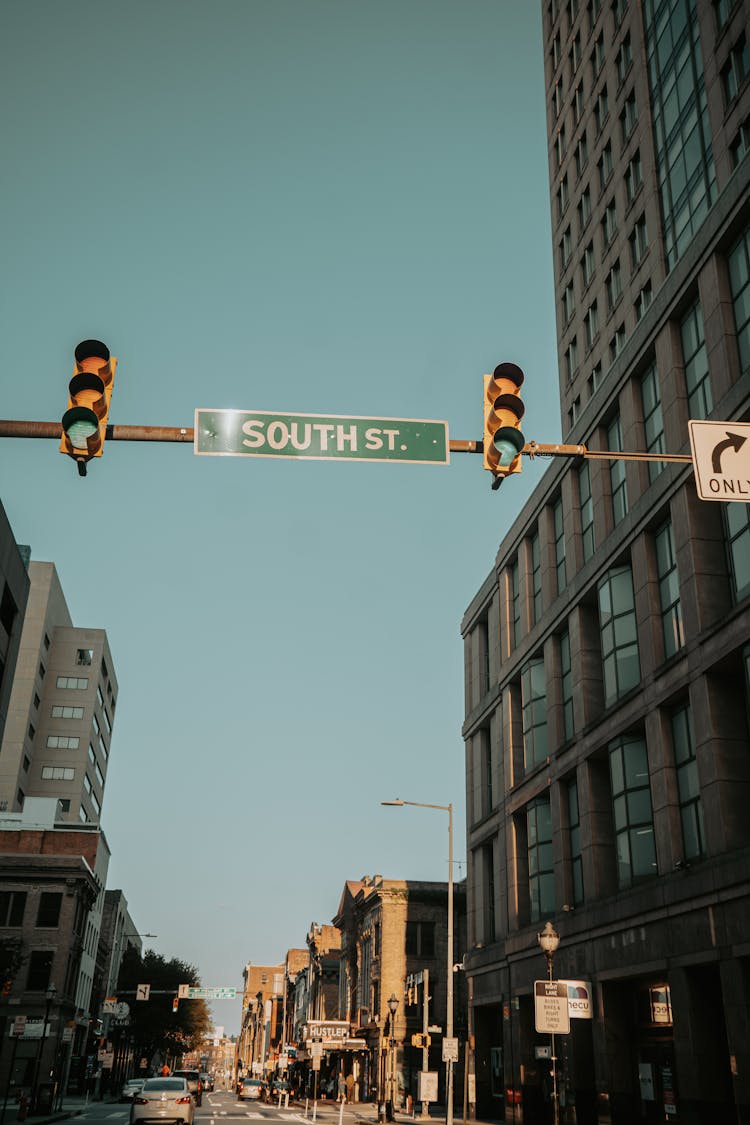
[(195, 993), (320, 437)]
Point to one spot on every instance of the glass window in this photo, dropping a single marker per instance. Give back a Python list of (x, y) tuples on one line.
[(591, 324), (515, 597), (40, 969), (562, 196), (617, 621), (84, 656), (597, 55), (420, 939), (609, 223), (534, 701), (568, 303), (686, 764), (566, 685), (633, 176), (653, 423), (735, 70), (588, 264), (57, 773), (605, 166), (619, 8), (79, 683), (628, 117), (574, 829), (737, 520), (536, 577), (587, 510), (488, 866), (643, 301), (740, 143), (638, 240), (601, 111), (559, 531), (624, 59), (613, 285), (581, 154), (12, 908), (682, 133), (617, 478), (697, 379), (632, 814), (739, 283), (584, 208), (566, 247), (48, 913), (669, 590), (540, 857), (60, 712), (571, 360), (579, 103), (62, 741)]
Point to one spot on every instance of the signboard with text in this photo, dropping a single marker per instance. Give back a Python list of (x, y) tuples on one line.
[(320, 437), (721, 459), (551, 1007)]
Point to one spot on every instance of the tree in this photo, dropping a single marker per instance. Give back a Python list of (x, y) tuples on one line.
[(153, 1023)]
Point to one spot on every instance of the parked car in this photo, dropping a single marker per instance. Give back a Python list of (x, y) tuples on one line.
[(207, 1082), (251, 1088), (163, 1099), (280, 1088), (193, 1079), (131, 1088)]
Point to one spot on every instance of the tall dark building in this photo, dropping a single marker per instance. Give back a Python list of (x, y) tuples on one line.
[(607, 654)]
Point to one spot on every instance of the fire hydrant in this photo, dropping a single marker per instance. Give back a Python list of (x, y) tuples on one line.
[(23, 1108)]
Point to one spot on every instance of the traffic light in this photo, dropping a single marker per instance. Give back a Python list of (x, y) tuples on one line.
[(175, 1003), (421, 1040), (84, 423), (503, 411)]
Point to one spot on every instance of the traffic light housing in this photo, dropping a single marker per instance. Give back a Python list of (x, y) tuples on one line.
[(84, 423), (175, 1003), (421, 1040), (503, 411)]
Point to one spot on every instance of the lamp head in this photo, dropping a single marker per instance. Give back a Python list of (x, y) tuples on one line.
[(393, 1003), (548, 939), (394, 804)]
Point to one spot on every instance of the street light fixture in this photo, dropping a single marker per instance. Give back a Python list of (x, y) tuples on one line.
[(549, 940), (398, 803), (392, 1008), (49, 996)]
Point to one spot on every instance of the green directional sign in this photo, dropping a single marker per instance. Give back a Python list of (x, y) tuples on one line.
[(211, 993), (320, 437)]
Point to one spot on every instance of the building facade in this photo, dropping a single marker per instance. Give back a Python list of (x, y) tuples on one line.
[(61, 711), (14, 592), (607, 654)]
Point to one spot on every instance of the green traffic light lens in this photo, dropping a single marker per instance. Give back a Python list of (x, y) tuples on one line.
[(508, 452), (79, 423)]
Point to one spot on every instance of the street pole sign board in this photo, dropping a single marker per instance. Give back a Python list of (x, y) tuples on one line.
[(320, 437), (721, 459), (206, 993), (551, 1007)]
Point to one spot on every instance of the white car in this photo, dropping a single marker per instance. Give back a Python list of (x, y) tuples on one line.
[(163, 1099), (131, 1088)]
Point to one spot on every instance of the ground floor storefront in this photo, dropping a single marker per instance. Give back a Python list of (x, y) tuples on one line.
[(659, 1027)]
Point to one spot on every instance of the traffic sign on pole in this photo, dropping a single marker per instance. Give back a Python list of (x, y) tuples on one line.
[(320, 437), (551, 1007), (721, 459)]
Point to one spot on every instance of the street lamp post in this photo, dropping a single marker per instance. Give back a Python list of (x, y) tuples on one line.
[(449, 977), (392, 1008), (549, 939), (50, 995)]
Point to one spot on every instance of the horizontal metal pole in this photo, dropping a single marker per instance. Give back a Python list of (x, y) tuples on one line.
[(186, 434)]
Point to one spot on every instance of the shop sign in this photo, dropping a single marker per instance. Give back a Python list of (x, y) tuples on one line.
[(579, 999)]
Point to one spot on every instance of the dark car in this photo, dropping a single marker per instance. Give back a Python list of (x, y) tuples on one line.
[(193, 1079)]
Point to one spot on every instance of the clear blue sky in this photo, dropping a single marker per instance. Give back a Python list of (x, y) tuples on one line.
[(324, 206)]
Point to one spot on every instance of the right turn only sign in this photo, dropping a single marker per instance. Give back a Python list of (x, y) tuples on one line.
[(721, 459)]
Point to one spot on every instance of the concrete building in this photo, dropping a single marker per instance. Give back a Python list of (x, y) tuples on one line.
[(61, 710), (391, 931), (14, 592), (607, 653), (51, 887)]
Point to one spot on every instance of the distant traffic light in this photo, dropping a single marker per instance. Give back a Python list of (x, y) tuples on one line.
[(175, 1003), (503, 411), (84, 423)]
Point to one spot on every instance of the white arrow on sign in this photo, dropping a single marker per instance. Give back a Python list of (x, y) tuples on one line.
[(721, 459)]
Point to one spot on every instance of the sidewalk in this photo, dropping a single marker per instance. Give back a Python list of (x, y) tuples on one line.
[(72, 1106)]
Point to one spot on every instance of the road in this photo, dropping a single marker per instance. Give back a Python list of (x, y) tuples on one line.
[(224, 1107)]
